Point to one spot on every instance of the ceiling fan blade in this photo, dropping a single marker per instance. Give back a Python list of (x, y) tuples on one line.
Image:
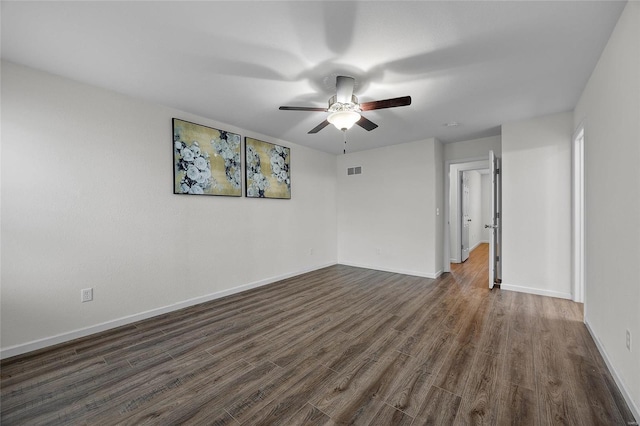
[(319, 127), (293, 108), (366, 123), (386, 103), (344, 88)]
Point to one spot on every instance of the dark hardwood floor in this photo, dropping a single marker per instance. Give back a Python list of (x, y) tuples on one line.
[(340, 345)]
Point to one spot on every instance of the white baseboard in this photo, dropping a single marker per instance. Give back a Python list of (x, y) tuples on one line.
[(538, 291), (394, 270), (623, 389), (83, 332)]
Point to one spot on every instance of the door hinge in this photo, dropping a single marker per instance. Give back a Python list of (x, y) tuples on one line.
[(498, 215), (497, 258), (497, 171)]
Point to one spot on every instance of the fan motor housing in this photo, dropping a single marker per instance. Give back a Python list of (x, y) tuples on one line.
[(335, 106)]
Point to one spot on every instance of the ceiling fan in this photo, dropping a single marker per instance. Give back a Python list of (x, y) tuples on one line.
[(345, 110)]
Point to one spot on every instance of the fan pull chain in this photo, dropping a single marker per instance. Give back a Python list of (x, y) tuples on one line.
[(344, 132)]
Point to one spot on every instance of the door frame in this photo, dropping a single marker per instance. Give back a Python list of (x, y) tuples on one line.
[(578, 249), (495, 241), (460, 219), (476, 163)]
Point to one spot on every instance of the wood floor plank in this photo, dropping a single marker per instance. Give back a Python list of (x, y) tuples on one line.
[(17, 408), (480, 399), (384, 346), (163, 390), (143, 388), (440, 408), (456, 369), (247, 403), (358, 396), (23, 383), (596, 404), (496, 330), (426, 324), (453, 306), (415, 308), (472, 321), (191, 399), (339, 345), (623, 408), (549, 360), (415, 381), (556, 403), (517, 406), (342, 356), (309, 415), (518, 360), (282, 409), (388, 415), (571, 329), (332, 399), (522, 312), (319, 345)]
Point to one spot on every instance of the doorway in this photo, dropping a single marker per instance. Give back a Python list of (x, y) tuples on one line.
[(467, 208), (488, 223), (452, 207)]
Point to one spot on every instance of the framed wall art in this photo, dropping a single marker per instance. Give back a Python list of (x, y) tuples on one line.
[(268, 172), (206, 161)]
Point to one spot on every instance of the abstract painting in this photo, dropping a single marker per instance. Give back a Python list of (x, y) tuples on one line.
[(268, 169), (206, 161)]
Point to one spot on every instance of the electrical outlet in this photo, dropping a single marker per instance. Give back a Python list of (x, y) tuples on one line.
[(629, 340), (86, 295)]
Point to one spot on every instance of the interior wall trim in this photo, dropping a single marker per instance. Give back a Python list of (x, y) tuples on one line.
[(108, 325), (394, 270), (538, 291), (623, 389), (475, 246)]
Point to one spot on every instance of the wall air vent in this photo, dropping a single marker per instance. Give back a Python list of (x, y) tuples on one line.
[(354, 170)]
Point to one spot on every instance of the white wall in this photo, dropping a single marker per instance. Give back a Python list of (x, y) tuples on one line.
[(473, 149), (87, 202), (536, 205), (387, 215), (610, 109), (439, 205)]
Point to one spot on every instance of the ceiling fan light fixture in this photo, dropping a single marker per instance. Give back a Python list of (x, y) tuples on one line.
[(343, 120), (344, 109)]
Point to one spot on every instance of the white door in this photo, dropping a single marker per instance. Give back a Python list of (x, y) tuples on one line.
[(495, 240), (466, 220)]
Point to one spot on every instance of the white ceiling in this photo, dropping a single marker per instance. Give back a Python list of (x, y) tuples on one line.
[(477, 63)]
